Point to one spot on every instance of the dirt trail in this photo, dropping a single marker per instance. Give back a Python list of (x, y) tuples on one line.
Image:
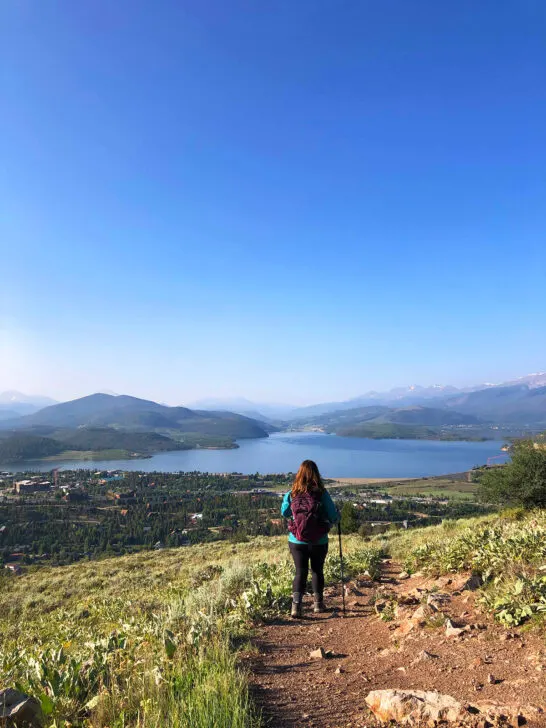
[(483, 664)]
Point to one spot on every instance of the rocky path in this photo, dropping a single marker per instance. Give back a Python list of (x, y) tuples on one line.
[(473, 660)]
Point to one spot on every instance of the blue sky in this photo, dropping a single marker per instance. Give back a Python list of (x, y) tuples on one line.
[(288, 201)]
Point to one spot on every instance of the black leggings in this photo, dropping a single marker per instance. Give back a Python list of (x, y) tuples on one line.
[(302, 553)]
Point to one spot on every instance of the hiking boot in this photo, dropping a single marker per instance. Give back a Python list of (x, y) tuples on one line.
[(318, 604), (296, 612)]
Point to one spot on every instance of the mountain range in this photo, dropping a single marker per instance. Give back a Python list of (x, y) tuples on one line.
[(520, 404), (518, 401)]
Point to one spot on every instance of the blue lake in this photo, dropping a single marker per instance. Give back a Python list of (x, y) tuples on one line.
[(283, 452)]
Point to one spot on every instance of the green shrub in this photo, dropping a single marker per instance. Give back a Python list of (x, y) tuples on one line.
[(515, 601), (522, 482)]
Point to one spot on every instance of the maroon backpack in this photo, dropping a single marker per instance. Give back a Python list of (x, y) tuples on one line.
[(308, 523)]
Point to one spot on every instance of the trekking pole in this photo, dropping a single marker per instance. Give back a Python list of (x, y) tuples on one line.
[(341, 565)]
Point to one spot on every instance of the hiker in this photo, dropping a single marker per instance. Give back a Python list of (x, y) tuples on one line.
[(312, 513)]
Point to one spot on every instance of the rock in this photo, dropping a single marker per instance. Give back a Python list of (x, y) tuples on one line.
[(509, 636), (405, 628), (363, 582), (424, 656), (472, 583), (453, 631), (380, 605), (421, 612), (318, 654), (18, 710), (492, 680), (430, 708), (508, 716), (414, 707), (403, 575), (352, 588), (438, 601)]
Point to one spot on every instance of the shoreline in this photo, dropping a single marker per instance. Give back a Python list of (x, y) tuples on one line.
[(341, 482)]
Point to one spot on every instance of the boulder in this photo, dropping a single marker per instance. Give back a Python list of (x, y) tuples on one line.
[(414, 707), (18, 710)]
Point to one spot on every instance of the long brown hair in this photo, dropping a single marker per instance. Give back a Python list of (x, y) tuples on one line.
[(307, 479)]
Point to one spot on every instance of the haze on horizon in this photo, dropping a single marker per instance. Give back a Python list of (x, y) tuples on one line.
[(293, 203)]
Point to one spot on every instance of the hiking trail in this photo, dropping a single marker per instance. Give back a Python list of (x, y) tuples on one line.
[(472, 659)]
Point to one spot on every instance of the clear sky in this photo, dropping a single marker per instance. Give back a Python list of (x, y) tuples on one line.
[(291, 201)]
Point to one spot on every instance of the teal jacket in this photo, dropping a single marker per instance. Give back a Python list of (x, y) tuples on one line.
[(330, 512)]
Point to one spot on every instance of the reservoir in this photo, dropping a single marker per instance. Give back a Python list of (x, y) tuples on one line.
[(283, 452)]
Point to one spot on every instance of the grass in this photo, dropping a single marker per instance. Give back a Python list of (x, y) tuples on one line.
[(454, 489)]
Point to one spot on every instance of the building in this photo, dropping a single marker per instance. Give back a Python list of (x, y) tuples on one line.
[(24, 487), (14, 569)]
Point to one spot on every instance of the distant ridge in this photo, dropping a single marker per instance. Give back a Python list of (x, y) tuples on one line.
[(134, 414), (17, 403)]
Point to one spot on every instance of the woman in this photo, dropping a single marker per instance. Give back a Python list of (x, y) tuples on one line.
[(312, 513)]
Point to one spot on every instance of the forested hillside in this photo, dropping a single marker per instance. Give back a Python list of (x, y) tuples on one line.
[(131, 413)]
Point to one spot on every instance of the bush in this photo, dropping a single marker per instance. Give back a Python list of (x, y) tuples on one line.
[(520, 483), (349, 518)]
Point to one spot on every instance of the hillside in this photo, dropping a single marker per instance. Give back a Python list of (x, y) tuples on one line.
[(390, 431), (106, 438), (416, 422), (133, 415), (97, 442), (518, 404), (18, 447), (105, 410), (170, 630), (6, 414)]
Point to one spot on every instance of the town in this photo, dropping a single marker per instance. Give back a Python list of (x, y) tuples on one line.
[(68, 515)]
